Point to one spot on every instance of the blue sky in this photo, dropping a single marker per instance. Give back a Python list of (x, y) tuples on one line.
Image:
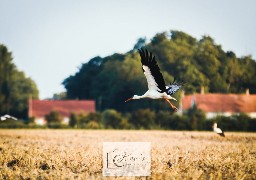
[(50, 39)]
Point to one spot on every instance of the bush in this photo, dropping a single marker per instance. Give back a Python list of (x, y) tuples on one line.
[(93, 117), (125, 124), (163, 119), (252, 125), (81, 120), (242, 122), (112, 119), (31, 120), (54, 117), (178, 122), (73, 120), (143, 118)]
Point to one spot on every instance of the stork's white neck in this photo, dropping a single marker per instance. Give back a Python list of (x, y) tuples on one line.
[(136, 97), (215, 125)]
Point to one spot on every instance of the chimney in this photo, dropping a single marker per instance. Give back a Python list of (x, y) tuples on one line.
[(30, 106), (202, 90), (180, 110), (193, 102), (247, 92)]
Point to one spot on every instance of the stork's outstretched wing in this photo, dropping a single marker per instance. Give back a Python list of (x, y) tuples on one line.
[(152, 72), (173, 87)]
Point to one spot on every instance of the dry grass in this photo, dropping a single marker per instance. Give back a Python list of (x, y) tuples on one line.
[(77, 154)]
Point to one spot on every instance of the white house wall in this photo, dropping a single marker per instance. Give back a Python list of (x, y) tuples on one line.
[(210, 115), (252, 115), (65, 120), (40, 121)]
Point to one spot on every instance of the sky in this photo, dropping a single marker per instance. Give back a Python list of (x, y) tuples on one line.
[(50, 39)]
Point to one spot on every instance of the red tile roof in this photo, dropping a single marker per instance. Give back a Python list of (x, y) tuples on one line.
[(221, 102), (39, 108)]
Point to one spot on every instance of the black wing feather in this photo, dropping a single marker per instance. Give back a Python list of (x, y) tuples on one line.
[(147, 59), (173, 87)]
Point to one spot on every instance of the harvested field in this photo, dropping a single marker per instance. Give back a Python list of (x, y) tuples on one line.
[(77, 154)]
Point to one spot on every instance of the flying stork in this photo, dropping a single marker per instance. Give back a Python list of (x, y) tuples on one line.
[(156, 85), (218, 130)]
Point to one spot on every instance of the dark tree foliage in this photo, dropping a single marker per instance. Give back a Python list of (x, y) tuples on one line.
[(111, 80), (86, 75), (15, 87)]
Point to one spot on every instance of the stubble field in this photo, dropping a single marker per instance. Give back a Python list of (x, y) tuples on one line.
[(77, 154)]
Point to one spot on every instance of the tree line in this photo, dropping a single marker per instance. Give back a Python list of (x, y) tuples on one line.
[(112, 79)]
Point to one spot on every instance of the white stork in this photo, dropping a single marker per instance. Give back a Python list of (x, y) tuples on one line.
[(155, 80), (5, 117), (218, 130)]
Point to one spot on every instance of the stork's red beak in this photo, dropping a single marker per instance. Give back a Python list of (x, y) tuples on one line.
[(128, 99)]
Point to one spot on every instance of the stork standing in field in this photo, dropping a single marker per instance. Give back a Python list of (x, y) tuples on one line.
[(218, 130), (155, 80)]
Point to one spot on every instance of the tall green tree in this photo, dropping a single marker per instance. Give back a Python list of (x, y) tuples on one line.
[(7, 68), (15, 87)]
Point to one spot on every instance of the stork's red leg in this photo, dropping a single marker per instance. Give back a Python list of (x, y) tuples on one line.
[(128, 100), (174, 107)]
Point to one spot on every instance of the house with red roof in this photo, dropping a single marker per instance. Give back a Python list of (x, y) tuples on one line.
[(221, 104), (39, 108)]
